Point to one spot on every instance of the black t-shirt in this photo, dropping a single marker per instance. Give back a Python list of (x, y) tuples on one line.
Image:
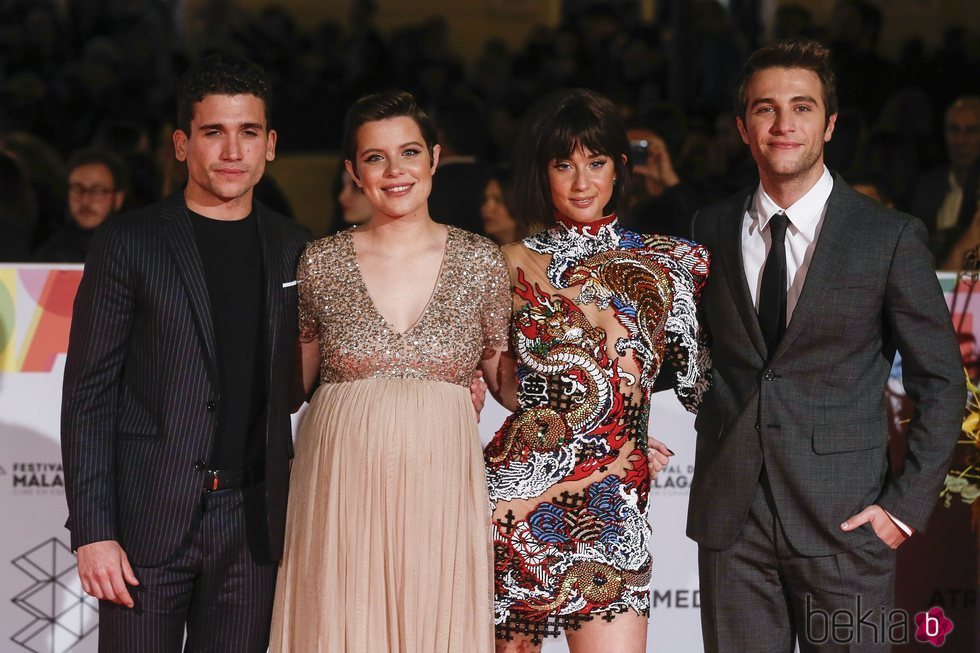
[(232, 258)]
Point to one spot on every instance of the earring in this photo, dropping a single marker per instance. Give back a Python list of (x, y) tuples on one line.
[(614, 181)]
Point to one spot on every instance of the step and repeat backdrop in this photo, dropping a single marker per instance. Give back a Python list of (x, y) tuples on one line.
[(43, 609)]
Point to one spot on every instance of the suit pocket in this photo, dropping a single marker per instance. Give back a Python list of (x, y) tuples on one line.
[(854, 436)]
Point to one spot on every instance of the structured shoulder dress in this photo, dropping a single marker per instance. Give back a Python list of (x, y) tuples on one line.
[(600, 316)]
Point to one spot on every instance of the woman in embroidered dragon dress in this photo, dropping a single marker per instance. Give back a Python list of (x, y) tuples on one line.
[(599, 313)]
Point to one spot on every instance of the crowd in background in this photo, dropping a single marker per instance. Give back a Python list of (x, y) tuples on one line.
[(101, 74)]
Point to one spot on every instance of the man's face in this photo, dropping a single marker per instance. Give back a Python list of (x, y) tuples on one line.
[(92, 195), (963, 136), (226, 150), (785, 123)]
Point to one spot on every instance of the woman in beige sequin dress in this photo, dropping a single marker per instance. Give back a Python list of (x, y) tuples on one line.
[(387, 548)]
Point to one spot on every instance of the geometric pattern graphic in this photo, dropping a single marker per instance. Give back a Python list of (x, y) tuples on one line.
[(62, 614)]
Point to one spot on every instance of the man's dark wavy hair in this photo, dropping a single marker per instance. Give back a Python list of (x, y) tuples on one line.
[(789, 53), (219, 74)]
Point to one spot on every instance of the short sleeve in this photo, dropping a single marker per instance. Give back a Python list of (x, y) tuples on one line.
[(495, 315), (309, 323)]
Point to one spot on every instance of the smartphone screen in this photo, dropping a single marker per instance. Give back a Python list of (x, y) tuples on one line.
[(638, 151)]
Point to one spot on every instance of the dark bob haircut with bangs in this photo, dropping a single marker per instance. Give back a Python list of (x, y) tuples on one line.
[(384, 106), (555, 127)]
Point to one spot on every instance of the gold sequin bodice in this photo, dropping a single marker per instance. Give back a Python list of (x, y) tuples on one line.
[(467, 313)]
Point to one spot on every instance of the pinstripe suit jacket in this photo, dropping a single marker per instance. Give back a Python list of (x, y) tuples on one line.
[(140, 388), (816, 413)]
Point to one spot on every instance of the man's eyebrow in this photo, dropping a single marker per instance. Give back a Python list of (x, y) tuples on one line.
[(244, 125), (797, 98)]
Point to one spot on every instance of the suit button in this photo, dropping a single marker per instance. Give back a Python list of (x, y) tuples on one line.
[(211, 406), (769, 375), (757, 428), (201, 465)]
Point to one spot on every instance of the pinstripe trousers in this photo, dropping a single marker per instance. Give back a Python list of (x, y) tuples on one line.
[(212, 588)]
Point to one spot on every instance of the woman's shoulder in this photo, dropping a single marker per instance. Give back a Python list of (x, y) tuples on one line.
[(473, 245), (684, 253), (662, 241), (327, 246)]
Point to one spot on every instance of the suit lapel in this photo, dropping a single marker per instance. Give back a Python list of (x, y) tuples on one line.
[(273, 266), (831, 242), (730, 239), (179, 234)]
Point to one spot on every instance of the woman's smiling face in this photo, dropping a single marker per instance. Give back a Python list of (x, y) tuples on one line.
[(582, 184), (393, 166)]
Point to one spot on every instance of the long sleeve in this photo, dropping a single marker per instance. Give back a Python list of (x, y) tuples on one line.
[(685, 349), (101, 324), (920, 326)]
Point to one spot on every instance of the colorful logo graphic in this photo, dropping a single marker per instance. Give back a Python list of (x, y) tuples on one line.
[(35, 316), (932, 626)]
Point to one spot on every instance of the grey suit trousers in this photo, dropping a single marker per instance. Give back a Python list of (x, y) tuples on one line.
[(761, 596)]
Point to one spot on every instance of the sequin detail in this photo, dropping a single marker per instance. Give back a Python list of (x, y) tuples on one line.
[(597, 313), (468, 313)]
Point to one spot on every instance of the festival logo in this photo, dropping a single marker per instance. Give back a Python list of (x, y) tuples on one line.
[(675, 479), (36, 478), (60, 613)]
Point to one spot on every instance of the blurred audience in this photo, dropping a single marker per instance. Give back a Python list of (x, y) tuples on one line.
[(873, 187), (18, 210), (945, 198), (97, 186), (497, 210), (352, 206), (457, 187), (46, 177), (81, 73)]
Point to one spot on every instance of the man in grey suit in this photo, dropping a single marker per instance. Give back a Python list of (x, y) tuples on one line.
[(813, 288), (176, 435)]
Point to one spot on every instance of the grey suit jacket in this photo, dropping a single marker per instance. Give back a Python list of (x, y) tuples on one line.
[(140, 389), (815, 415)]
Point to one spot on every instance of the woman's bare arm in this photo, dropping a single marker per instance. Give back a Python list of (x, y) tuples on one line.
[(500, 373)]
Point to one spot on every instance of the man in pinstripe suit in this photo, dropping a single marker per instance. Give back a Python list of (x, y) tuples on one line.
[(813, 288), (175, 419)]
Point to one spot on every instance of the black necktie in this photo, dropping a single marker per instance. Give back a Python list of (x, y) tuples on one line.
[(772, 296)]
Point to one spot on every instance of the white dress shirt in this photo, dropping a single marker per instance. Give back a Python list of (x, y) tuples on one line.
[(805, 219), (806, 216)]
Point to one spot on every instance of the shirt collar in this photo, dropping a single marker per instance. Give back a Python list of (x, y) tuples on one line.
[(804, 213), (954, 183)]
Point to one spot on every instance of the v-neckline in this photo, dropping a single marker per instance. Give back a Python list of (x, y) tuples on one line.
[(432, 295)]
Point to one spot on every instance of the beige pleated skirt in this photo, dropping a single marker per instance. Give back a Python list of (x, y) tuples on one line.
[(387, 535)]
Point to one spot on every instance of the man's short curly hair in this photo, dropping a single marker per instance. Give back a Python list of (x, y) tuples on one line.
[(219, 74)]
